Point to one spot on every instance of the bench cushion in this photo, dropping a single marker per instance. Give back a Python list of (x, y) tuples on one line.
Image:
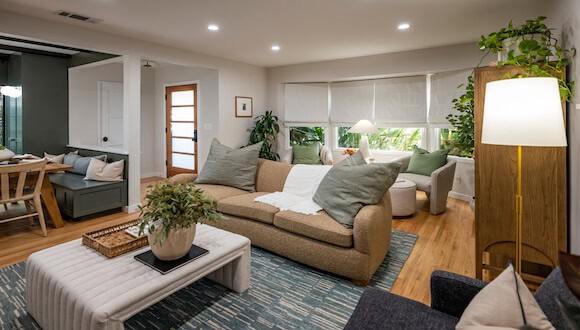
[(320, 227), (75, 182), (244, 206)]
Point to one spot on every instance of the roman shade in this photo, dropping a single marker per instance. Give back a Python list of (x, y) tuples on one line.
[(445, 88), (401, 100), (351, 101), (306, 102)]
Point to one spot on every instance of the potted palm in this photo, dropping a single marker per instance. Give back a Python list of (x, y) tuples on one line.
[(169, 217)]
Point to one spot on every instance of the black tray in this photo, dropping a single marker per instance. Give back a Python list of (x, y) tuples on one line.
[(164, 267)]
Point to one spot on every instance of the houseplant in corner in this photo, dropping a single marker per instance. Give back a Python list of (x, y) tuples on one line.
[(169, 217), (266, 130)]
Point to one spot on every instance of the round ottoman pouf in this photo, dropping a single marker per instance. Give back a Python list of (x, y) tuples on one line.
[(403, 198)]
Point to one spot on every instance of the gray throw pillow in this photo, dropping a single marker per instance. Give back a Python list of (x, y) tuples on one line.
[(346, 189), (355, 159), (80, 164), (231, 167)]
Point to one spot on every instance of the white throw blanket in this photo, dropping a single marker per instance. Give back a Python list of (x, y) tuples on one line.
[(301, 184)]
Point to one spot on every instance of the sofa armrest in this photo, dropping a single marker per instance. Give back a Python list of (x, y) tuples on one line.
[(287, 159), (404, 163), (451, 293), (326, 156), (182, 178), (372, 231), (441, 185)]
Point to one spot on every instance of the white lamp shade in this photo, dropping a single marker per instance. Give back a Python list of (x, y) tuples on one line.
[(363, 127), (11, 91), (523, 112)]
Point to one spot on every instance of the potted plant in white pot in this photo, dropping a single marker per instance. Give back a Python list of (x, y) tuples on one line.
[(170, 215)]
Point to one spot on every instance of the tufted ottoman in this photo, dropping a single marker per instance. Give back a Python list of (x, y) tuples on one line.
[(403, 198)]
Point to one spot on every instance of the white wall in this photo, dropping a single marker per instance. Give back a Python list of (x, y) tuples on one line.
[(407, 63), (207, 112), (148, 129), (83, 101), (565, 17), (235, 78)]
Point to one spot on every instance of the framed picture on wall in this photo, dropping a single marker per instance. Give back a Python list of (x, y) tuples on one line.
[(243, 106)]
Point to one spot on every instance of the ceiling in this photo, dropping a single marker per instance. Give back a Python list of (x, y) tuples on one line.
[(306, 30)]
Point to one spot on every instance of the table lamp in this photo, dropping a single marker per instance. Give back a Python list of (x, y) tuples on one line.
[(523, 112), (364, 127)]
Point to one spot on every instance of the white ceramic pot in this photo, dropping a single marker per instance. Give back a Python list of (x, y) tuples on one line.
[(6, 154), (175, 246), (513, 42)]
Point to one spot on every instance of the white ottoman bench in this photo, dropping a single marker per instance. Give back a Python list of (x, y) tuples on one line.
[(71, 286), (403, 198)]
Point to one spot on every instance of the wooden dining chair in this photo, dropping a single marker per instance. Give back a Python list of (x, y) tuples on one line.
[(22, 183)]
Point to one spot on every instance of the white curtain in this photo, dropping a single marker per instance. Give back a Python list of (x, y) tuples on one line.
[(351, 101), (444, 88), (306, 102), (401, 100)]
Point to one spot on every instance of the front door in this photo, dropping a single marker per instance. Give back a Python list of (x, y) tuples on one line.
[(181, 129)]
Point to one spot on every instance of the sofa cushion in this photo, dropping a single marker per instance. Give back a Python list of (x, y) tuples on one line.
[(218, 192), (307, 154), (423, 182), (320, 227), (424, 162), (244, 206), (271, 176), (378, 309)]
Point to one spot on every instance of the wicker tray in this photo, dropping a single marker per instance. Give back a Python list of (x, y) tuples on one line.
[(114, 241)]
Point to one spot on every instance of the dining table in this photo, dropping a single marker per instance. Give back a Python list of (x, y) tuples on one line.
[(47, 193)]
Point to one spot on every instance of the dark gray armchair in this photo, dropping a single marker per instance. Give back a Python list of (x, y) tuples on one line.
[(450, 295), (437, 186)]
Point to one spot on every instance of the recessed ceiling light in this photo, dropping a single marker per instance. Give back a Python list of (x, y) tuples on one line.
[(403, 26), (213, 27), (275, 48)]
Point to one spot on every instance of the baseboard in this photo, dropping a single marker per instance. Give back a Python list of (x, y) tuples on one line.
[(131, 208), (460, 196), (152, 175)]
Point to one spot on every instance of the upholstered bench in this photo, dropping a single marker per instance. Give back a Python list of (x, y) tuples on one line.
[(77, 197)]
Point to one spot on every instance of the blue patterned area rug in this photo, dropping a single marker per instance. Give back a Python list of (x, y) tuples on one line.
[(283, 295)]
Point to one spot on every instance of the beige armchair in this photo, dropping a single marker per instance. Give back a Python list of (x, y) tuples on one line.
[(437, 186), (325, 156)]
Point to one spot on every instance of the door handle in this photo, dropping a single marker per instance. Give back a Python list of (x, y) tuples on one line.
[(105, 139), (194, 136)]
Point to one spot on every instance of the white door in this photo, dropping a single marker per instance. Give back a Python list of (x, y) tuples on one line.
[(111, 108)]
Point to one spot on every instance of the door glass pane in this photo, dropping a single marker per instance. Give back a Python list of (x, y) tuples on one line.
[(182, 114), (182, 98), (182, 145), (183, 161), (182, 129)]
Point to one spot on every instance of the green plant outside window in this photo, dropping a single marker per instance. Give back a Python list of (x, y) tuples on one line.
[(397, 139), (306, 135)]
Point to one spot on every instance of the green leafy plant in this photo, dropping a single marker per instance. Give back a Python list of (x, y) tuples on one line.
[(266, 130), (538, 53), (173, 206), (306, 135), (463, 140)]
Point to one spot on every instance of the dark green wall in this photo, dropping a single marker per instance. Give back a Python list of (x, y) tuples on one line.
[(44, 103)]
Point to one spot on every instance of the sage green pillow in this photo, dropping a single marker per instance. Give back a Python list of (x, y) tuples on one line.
[(355, 159), (308, 154), (424, 162), (346, 189), (231, 167)]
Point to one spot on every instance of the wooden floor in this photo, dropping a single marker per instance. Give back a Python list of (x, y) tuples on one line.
[(445, 242)]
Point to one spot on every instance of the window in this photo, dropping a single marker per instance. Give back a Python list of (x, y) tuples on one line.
[(397, 139), (306, 135), (446, 136)]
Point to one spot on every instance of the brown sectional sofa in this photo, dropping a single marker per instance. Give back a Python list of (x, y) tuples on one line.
[(317, 241)]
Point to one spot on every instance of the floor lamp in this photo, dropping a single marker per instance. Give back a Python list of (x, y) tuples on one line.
[(523, 112), (364, 127)]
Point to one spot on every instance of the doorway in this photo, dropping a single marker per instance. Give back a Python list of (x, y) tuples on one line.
[(181, 129), (111, 109)]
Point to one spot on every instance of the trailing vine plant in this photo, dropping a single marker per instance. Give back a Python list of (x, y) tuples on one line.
[(538, 53)]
